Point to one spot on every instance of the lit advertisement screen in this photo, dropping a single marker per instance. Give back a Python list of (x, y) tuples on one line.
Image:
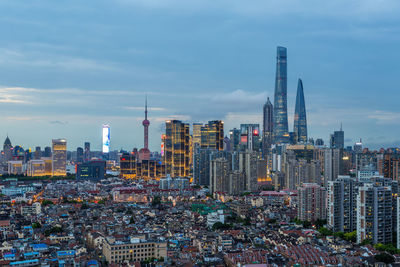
[(106, 139)]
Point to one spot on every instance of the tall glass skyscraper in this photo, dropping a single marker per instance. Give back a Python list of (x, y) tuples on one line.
[(281, 132), (268, 125), (300, 118)]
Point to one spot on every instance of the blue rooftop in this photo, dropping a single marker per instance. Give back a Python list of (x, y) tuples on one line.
[(66, 253), (24, 262)]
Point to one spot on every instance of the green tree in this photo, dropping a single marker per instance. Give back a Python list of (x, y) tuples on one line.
[(384, 257), (306, 224), (352, 236), (36, 225), (46, 202), (325, 231), (156, 201), (366, 242), (132, 220), (339, 235), (320, 223)]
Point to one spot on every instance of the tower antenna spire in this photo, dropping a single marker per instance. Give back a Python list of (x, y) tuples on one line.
[(145, 108)]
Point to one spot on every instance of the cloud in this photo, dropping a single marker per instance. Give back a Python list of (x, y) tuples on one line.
[(385, 117), (59, 122), (359, 9)]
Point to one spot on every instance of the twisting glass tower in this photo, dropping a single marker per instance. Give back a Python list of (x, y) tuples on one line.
[(281, 132)]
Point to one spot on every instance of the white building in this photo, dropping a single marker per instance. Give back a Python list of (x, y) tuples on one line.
[(215, 217)]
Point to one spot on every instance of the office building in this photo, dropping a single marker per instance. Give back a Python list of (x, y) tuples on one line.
[(79, 155), (197, 134), (176, 155), (87, 155), (133, 168), (15, 167), (234, 136), (174, 183), (106, 139), (312, 202), (268, 126), (281, 132), (47, 152), (212, 135), (7, 149), (36, 167), (337, 139), (133, 249), (300, 118), (38, 153), (92, 170), (250, 137), (59, 157)]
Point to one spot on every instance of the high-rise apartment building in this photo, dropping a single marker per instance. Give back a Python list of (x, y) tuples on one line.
[(374, 218), (212, 135), (312, 202), (342, 204), (247, 162), (300, 118), (268, 126), (201, 163), (176, 154), (219, 175), (281, 132), (59, 157), (333, 161)]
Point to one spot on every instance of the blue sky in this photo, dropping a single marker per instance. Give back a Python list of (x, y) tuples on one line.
[(66, 67)]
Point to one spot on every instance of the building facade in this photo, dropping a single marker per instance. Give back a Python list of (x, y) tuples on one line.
[(281, 132)]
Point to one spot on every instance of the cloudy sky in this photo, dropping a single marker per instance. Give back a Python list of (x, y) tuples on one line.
[(66, 67)]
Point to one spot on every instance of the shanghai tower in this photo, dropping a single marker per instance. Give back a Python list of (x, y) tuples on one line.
[(281, 132), (300, 118)]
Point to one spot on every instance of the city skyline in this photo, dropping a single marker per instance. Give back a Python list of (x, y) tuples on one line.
[(65, 84)]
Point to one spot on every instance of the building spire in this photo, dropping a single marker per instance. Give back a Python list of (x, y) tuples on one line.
[(145, 109)]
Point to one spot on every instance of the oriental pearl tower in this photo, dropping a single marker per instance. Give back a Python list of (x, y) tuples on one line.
[(144, 153)]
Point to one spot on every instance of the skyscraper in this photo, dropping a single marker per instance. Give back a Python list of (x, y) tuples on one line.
[(59, 157), (144, 153), (300, 118), (176, 154), (106, 138), (337, 139), (197, 133), (268, 125), (212, 135), (86, 155), (281, 132), (312, 202), (79, 155), (7, 149)]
